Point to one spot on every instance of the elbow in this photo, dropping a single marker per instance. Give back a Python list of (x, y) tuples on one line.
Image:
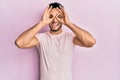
[(18, 44), (91, 43)]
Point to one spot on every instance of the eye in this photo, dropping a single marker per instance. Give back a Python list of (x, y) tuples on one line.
[(59, 16), (51, 16)]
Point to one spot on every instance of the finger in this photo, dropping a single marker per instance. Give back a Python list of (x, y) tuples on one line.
[(55, 15), (46, 9), (49, 9), (59, 19), (52, 17), (64, 12), (62, 8), (59, 10)]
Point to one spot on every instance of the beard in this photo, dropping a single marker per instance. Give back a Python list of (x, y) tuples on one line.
[(55, 30)]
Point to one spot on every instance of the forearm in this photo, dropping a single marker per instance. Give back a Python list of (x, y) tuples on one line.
[(83, 36), (29, 34)]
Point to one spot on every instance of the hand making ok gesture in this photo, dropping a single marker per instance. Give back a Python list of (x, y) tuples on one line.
[(46, 15), (65, 19)]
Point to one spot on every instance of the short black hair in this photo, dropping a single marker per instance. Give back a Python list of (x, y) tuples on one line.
[(55, 5)]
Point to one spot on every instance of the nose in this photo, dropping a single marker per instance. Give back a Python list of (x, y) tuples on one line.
[(55, 20)]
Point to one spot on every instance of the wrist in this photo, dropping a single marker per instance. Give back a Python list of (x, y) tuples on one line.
[(68, 23), (42, 23)]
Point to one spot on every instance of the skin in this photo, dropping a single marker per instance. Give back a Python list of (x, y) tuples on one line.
[(55, 25), (55, 18)]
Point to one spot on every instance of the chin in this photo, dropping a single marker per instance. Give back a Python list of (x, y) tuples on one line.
[(55, 29)]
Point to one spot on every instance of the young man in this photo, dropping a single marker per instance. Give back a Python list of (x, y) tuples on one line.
[(55, 46)]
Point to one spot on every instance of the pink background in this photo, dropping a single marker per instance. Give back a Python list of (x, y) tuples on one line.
[(100, 17)]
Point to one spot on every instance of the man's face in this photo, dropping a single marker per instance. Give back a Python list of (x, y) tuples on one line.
[(55, 25)]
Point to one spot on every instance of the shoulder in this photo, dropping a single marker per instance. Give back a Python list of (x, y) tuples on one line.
[(41, 34), (70, 34)]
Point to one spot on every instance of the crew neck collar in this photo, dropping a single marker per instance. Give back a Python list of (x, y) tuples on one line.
[(55, 34)]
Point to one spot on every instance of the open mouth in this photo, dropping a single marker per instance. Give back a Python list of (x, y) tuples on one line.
[(56, 24)]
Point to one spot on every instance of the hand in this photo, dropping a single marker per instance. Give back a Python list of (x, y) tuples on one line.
[(64, 19), (47, 17)]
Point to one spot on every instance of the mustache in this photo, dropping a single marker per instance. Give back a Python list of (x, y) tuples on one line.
[(56, 22)]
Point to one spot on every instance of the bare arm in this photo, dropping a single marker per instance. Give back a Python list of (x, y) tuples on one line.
[(82, 37), (27, 38)]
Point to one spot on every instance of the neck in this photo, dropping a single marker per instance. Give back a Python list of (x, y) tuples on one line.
[(56, 32)]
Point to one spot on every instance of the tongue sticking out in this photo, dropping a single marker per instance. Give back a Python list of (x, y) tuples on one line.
[(55, 24)]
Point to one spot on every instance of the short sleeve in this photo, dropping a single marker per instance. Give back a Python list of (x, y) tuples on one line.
[(41, 37), (71, 37), (38, 36)]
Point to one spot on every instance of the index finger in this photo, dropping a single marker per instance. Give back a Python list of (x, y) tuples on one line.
[(49, 9), (59, 10)]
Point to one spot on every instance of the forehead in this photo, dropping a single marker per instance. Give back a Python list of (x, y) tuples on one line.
[(54, 10)]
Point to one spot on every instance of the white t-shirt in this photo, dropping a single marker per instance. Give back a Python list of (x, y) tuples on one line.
[(56, 53)]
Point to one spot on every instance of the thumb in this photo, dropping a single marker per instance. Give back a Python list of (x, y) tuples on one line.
[(60, 19)]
